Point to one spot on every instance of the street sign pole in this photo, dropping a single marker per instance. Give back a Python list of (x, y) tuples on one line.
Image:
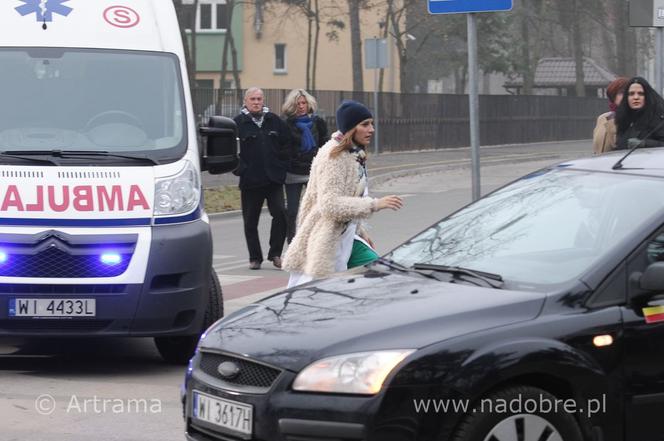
[(650, 13), (376, 125), (376, 58), (470, 8), (474, 104)]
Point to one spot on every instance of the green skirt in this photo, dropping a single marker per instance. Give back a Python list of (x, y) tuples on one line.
[(361, 254)]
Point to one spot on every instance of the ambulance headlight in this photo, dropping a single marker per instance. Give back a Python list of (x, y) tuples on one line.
[(178, 194)]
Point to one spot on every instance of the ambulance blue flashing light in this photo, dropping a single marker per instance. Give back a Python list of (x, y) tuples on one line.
[(110, 258), (3, 257)]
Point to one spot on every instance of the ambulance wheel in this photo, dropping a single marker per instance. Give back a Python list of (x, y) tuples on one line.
[(179, 349)]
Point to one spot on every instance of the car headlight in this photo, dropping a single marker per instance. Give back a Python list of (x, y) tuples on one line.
[(359, 373), (178, 194)]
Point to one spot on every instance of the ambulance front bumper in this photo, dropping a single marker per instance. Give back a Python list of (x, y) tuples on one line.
[(161, 290)]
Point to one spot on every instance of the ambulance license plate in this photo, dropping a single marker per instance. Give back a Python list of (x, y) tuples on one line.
[(52, 307)]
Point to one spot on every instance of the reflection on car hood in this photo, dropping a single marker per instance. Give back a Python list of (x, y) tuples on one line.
[(364, 312)]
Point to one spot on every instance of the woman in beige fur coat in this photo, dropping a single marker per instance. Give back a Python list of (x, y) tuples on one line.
[(335, 200)]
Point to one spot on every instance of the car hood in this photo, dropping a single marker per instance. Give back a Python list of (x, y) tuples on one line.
[(364, 312)]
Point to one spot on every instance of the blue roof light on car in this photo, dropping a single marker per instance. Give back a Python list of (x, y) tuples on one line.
[(110, 258), (3, 257)]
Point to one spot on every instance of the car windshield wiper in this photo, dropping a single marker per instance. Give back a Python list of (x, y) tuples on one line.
[(14, 155), (80, 153), (399, 267), (493, 280)]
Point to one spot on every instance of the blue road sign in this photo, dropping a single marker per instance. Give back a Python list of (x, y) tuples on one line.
[(463, 6)]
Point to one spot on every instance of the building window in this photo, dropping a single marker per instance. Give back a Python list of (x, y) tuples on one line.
[(280, 58), (211, 16), (205, 84)]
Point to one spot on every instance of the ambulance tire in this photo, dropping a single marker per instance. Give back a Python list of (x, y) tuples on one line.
[(180, 349)]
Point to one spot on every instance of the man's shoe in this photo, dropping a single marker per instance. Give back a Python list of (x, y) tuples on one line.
[(254, 265), (276, 261)]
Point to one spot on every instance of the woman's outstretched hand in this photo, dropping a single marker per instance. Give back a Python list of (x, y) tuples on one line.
[(394, 202)]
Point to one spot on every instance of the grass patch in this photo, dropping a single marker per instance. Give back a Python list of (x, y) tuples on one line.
[(220, 199)]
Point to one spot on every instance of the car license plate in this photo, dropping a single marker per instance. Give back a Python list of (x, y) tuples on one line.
[(52, 308), (223, 413)]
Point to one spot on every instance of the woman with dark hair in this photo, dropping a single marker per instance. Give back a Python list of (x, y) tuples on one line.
[(604, 135), (639, 116)]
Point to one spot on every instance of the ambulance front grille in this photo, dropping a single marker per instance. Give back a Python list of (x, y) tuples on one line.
[(54, 254), (55, 263)]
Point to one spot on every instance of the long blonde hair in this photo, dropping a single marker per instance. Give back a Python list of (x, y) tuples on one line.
[(290, 104)]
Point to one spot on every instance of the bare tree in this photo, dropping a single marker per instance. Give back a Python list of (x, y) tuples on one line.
[(229, 42), (187, 20), (356, 44), (399, 26)]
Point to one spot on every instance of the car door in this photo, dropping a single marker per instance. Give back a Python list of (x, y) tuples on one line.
[(644, 353)]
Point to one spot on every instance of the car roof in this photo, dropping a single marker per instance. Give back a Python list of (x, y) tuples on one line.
[(642, 162)]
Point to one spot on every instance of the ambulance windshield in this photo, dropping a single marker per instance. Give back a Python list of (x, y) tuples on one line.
[(82, 99)]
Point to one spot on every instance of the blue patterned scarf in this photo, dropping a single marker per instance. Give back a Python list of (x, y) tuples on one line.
[(305, 123)]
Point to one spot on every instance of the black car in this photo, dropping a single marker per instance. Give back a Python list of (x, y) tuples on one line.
[(518, 318)]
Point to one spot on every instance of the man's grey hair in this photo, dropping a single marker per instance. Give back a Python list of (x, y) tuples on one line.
[(252, 90)]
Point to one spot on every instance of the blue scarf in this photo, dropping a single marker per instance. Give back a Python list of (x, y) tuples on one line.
[(305, 123)]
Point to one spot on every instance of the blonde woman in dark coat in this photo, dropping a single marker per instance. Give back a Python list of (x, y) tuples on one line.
[(308, 132)]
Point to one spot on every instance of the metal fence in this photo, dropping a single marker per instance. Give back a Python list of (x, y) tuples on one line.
[(432, 121)]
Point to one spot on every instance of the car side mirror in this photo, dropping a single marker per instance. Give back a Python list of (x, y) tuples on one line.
[(652, 278), (223, 145), (647, 285)]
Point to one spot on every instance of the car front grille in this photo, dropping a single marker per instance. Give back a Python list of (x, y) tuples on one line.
[(251, 374)]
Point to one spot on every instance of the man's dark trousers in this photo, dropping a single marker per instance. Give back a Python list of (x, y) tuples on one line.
[(252, 203)]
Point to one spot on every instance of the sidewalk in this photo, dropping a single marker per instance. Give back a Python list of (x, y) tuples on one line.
[(385, 166)]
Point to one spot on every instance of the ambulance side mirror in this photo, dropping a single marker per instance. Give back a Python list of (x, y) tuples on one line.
[(222, 146)]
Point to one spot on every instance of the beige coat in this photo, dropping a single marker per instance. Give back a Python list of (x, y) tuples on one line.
[(604, 135), (329, 202)]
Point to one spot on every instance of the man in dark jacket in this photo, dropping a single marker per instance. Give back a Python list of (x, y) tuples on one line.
[(262, 171)]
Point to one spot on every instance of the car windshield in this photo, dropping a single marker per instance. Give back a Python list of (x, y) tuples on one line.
[(546, 228), (91, 100)]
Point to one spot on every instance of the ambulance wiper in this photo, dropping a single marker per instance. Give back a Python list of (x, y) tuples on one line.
[(82, 153), (11, 154), (459, 273)]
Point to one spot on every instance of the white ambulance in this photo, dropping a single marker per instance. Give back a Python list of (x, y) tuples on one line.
[(102, 226)]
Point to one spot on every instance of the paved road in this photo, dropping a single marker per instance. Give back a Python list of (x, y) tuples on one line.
[(119, 390)]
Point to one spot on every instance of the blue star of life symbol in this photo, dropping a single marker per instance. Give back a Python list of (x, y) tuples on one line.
[(44, 9)]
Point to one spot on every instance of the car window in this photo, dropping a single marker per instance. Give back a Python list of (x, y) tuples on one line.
[(655, 250), (546, 228)]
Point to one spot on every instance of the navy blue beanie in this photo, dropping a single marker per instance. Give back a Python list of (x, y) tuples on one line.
[(351, 113)]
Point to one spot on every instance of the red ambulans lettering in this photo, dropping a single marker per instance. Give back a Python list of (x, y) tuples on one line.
[(51, 198), (39, 205), (12, 199), (136, 199), (79, 198), (110, 201)]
